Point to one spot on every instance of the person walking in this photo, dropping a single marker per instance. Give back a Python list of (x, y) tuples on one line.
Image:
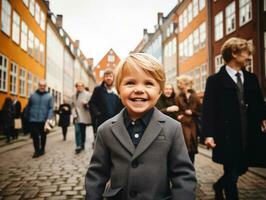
[(104, 102), (39, 110), (81, 115), (167, 102), (17, 107), (189, 109), (8, 116), (233, 115), (64, 112)]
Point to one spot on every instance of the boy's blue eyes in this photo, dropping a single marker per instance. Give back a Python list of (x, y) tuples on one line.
[(133, 83)]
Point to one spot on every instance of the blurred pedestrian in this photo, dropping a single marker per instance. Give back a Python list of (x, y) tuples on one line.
[(64, 112), (140, 152), (40, 109), (81, 115), (233, 114), (167, 102), (8, 116), (189, 109), (17, 107), (104, 102)]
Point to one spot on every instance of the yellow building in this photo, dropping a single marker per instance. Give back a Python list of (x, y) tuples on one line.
[(22, 47)]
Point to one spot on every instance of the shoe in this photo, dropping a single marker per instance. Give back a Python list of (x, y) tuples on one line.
[(82, 147), (78, 150), (218, 192), (35, 155), (41, 153)]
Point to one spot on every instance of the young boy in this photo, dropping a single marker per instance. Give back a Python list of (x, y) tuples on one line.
[(140, 152)]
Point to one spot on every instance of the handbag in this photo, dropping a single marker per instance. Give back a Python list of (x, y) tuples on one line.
[(18, 123)]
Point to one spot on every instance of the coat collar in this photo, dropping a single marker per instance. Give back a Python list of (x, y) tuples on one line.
[(152, 131)]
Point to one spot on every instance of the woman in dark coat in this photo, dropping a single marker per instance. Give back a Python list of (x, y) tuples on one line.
[(167, 102), (189, 109), (8, 117), (64, 112)]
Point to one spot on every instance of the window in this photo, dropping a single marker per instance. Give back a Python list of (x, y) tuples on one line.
[(185, 18), (196, 40), (15, 27), (32, 2), (249, 66), (24, 36), (31, 43), (197, 83), (230, 18), (13, 78), (181, 23), (189, 10), (5, 17), (195, 8), (35, 83), (264, 5), (36, 49), (201, 4), (26, 2), (190, 45), (41, 53), (202, 33), (37, 13), (3, 73), (42, 21), (186, 48), (245, 14), (218, 26), (204, 75), (218, 62), (111, 58), (181, 51), (22, 82), (30, 86)]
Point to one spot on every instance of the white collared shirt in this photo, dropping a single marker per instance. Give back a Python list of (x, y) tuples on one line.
[(232, 74)]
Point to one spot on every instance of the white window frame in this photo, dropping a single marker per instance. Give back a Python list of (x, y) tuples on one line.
[(15, 27), (197, 79), (32, 7), (22, 82), (42, 24), (196, 41), (201, 4), (41, 53), (204, 75), (26, 3), (3, 72), (37, 49), (31, 43), (230, 16), (190, 45), (245, 12), (111, 58), (13, 82), (219, 62), (181, 27), (202, 35), (24, 36), (195, 8), (37, 13), (185, 18), (218, 27), (190, 12), (29, 84), (6, 17)]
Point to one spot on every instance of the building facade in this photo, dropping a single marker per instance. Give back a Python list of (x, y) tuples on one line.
[(110, 60), (22, 47)]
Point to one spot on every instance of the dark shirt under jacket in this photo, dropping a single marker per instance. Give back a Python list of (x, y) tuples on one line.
[(136, 128)]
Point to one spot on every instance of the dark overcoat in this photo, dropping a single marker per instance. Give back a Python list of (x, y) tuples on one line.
[(164, 102), (64, 112), (98, 106), (221, 118), (144, 172)]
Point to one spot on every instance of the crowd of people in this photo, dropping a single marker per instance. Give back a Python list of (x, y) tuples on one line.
[(142, 122)]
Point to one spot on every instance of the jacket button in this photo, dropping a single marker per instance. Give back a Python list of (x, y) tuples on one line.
[(133, 193), (135, 164)]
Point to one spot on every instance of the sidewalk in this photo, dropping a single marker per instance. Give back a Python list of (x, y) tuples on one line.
[(256, 170)]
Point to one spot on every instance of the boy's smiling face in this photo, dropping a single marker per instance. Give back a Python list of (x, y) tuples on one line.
[(139, 91)]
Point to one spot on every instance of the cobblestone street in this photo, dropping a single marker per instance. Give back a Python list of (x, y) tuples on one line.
[(59, 174)]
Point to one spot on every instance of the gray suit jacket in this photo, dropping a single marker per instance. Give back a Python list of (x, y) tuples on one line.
[(79, 110), (144, 172)]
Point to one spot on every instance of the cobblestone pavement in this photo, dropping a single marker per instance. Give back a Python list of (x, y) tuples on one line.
[(59, 174)]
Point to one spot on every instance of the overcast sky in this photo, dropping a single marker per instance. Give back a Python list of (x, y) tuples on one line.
[(104, 24)]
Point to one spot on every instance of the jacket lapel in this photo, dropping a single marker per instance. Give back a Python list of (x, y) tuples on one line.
[(120, 132), (152, 131), (226, 79)]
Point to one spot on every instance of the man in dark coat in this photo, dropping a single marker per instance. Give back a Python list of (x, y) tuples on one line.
[(233, 116), (17, 107), (104, 102)]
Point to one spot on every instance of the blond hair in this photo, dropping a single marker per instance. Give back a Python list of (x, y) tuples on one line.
[(235, 45), (188, 80), (143, 61)]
